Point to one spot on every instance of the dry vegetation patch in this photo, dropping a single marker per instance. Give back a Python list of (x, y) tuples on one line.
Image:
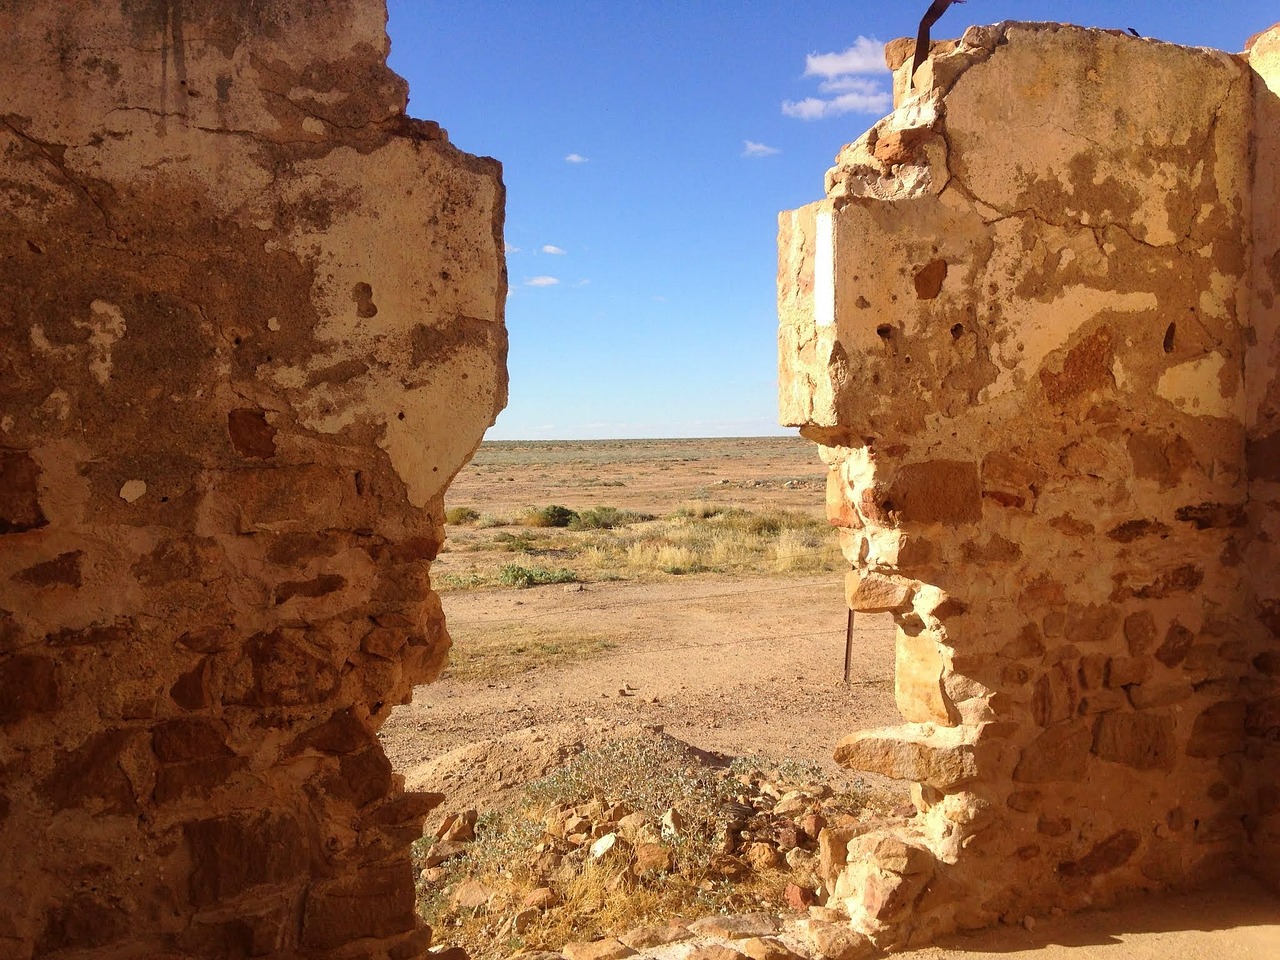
[(641, 831), (561, 545)]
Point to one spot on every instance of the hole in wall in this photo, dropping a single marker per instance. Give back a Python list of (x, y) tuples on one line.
[(691, 625), (1169, 334)]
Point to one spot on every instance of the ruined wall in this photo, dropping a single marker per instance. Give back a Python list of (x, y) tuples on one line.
[(252, 326), (1262, 420), (1020, 326)]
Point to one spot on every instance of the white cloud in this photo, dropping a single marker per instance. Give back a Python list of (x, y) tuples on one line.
[(542, 281), (812, 108), (752, 149), (552, 248), (575, 158), (842, 78), (583, 283), (866, 55), (660, 299), (509, 248)]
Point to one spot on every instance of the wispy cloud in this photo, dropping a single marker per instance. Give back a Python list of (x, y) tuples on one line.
[(752, 149), (552, 248), (576, 158), (542, 281), (583, 283), (845, 78), (865, 56), (509, 247)]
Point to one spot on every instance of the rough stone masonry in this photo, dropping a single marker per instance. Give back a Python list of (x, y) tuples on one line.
[(1035, 327), (252, 325)]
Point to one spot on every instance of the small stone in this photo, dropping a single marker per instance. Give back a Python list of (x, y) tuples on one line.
[(471, 895), (604, 845), (132, 490), (762, 856), (606, 949), (835, 941), (736, 927), (765, 948), (444, 850), (642, 938), (672, 823), (652, 858), (799, 898), (543, 898)]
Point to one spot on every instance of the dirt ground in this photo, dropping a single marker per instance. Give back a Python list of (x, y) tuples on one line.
[(741, 666)]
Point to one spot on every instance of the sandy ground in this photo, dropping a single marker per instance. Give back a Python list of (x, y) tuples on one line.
[(1234, 921), (738, 667)]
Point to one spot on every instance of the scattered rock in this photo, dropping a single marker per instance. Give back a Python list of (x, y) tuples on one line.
[(606, 949), (737, 927), (444, 850), (470, 895), (673, 823), (766, 948), (543, 898), (642, 938)]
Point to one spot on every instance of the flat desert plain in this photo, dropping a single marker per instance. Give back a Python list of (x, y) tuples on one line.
[(699, 591)]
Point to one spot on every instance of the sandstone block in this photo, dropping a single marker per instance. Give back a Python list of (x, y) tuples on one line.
[(237, 853), (917, 680), (606, 949), (1219, 729), (868, 592), (376, 902), (1061, 753), (835, 941), (937, 491), (735, 926), (1143, 741), (904, 753), (642, 938)]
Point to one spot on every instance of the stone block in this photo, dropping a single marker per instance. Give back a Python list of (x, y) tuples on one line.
[(1218, 730), (1059, 754), (937, 491), (237, 853), (20, 508), (869, 592), (28, 686), (904, 753), (376, 902), (917, 680), (1143, 741)]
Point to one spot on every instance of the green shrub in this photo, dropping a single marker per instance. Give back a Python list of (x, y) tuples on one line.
[(552, 516), (515, 575), (460, 515), (606, 518)]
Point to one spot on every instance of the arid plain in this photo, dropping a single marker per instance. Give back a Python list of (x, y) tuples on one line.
[(700, 589)]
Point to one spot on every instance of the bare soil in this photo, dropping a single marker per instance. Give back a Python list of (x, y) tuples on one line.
[(739, 666)]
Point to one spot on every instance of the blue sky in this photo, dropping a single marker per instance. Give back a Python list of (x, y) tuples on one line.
[(647, 149)]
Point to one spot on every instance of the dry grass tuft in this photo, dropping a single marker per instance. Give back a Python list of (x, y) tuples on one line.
[(511, 649)]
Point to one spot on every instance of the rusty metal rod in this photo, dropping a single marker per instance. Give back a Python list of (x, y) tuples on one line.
[(848, 648)]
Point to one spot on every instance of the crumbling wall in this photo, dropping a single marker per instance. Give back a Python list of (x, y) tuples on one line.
[(252, 326), (1262, 460), (1020, 327)]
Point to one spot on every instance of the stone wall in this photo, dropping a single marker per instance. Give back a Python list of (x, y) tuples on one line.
[(252, 326), (1032, 328)]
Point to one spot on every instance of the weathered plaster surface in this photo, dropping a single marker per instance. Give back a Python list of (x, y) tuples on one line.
[(1040, 357), (252, 326)]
